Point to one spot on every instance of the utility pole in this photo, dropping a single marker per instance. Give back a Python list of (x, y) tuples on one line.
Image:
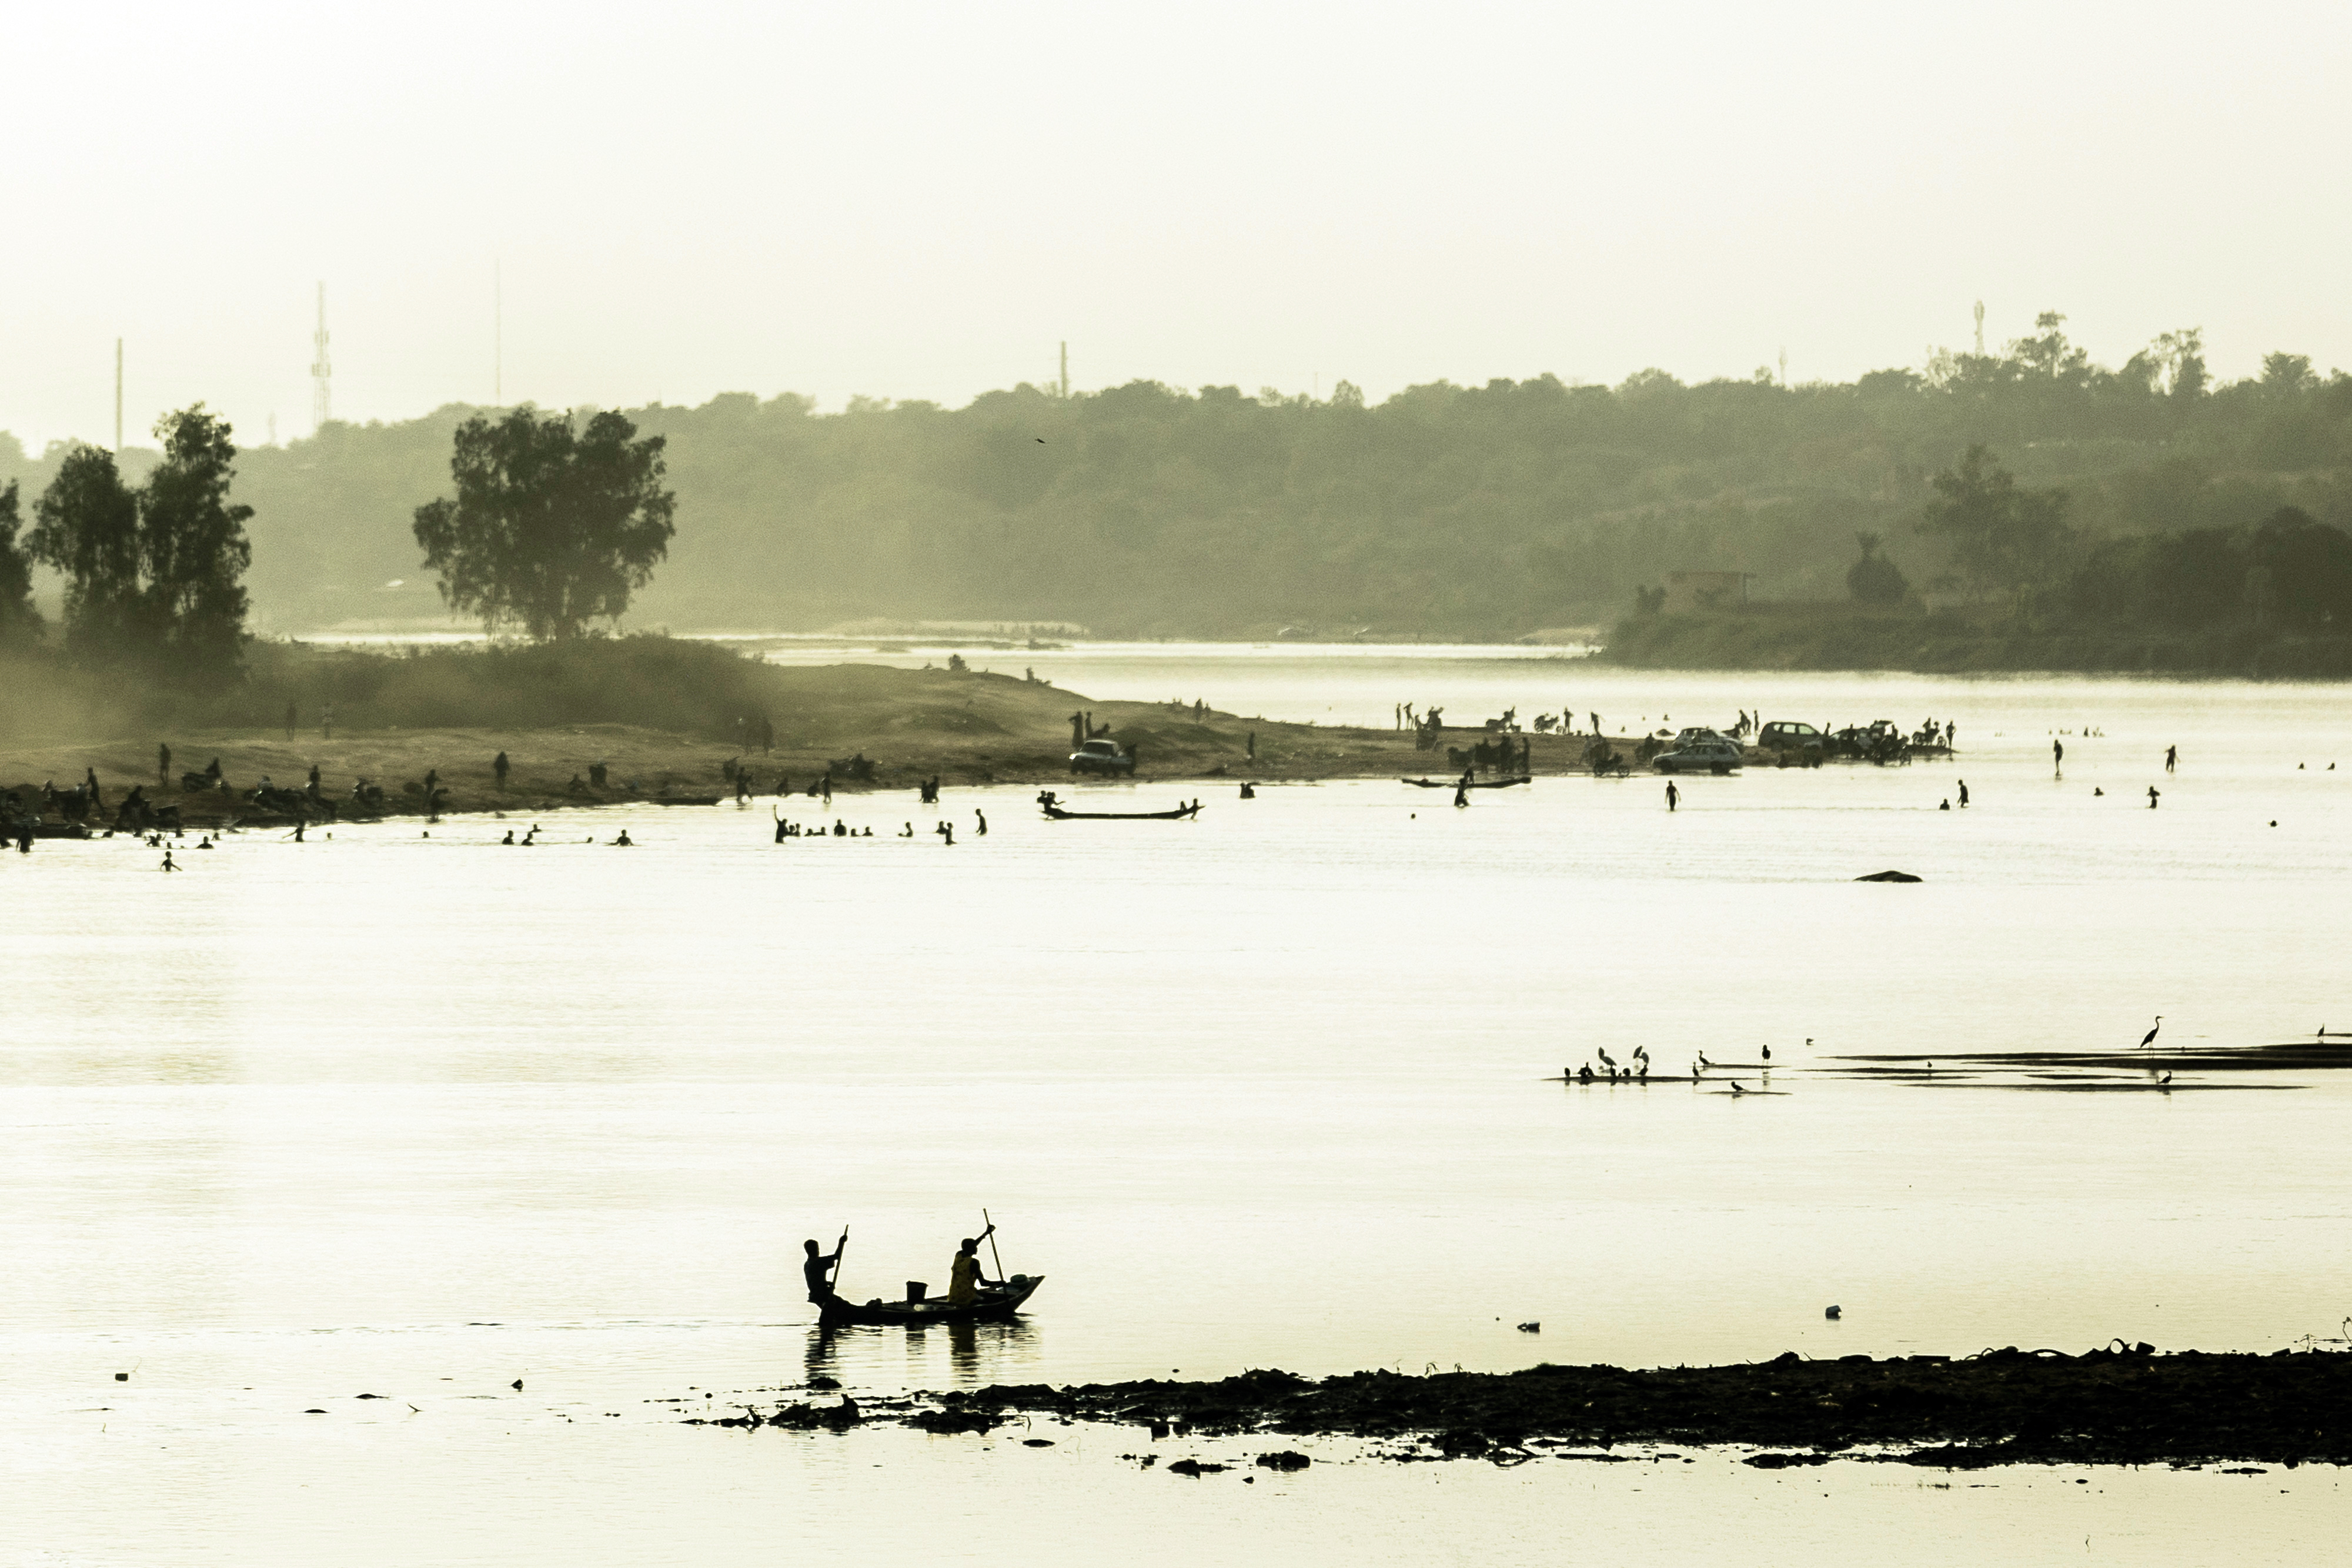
[(322, 403), (1065, 370), (118, 397), (1979, 328), (498, 333), (1784, 368)]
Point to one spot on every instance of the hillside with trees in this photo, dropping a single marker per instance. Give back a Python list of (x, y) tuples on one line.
[(1482, 512)]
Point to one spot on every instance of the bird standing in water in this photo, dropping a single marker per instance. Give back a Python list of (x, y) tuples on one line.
[(1736, 1089), (2149, 1038)]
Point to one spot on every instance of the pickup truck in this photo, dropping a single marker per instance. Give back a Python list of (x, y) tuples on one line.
[(1101, 757)]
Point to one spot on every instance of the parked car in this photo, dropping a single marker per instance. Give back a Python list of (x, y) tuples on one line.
[(1786, 735), (1101, 757), (1706, 752)]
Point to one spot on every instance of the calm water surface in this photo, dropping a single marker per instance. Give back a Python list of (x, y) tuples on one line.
[(421, 1117)]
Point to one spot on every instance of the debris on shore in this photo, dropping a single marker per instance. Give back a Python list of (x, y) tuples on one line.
[(2121, 1406)]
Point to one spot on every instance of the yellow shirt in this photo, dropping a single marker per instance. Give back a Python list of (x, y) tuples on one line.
[(963, 1281)]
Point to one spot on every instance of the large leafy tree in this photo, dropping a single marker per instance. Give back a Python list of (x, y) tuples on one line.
[(87, 526), (2003, 538), (192, 543), (551, 528), (20, 621), (156, 572)]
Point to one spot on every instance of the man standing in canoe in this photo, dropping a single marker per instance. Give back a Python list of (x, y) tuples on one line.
[(818, 1267), (963, 1275)]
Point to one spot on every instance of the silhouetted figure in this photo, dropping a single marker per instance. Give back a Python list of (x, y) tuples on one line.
[(596, 774), (1249, 791), (840, 828), (767, 736), (1078, 730), (909, 831), (500, 768), (624, 842), (1673, 796), (946, 830), (290, 721), (327, 722), (825, 784), (167, 854), (2171, 759), (983, 829), (1946, 805), (2057, 757), (1253, 746), (817, 1270), (1461, 794), (314, 782), (2151, 797), (1964, 793), (780, 830), (509, 837), (163, 767)]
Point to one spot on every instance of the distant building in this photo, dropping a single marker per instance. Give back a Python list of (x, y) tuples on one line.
[(1696, 592)]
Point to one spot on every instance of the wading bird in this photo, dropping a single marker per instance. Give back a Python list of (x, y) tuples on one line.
[(2149, 1038), (1736, 1089)]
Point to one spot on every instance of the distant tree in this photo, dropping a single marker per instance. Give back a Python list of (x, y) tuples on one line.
[(2182, 355), (2003, 538), (1874, 580), (86, 526), (2288, 375), (20, 621), (192, 545), (2309, 564), (550, 529), (1649, 600)]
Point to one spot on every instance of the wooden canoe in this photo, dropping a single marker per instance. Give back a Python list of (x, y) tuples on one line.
[(1061, 814), (996, 1303), (1473, 784)]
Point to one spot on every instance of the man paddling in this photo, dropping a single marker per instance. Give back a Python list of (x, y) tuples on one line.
[(964, 1279), (818, 1267)]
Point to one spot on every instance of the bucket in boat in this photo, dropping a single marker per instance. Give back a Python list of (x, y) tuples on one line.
[(916, 1290)]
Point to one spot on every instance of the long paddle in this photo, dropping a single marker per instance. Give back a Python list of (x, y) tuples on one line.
[(992, 1253), (839, 1252)]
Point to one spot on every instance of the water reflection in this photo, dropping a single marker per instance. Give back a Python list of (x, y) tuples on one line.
[(975, 1355)]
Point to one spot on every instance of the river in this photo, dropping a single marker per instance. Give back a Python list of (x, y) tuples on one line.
[(423, 1117)]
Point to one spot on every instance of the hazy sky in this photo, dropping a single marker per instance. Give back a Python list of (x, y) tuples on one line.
[(921, 201)]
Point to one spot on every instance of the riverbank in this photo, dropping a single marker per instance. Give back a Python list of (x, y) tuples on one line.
[(964, 728), (1810, 637), (2121, 1406)]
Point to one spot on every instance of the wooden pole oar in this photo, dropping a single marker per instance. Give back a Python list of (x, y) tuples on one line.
[(839, 1252), (991, 1245)]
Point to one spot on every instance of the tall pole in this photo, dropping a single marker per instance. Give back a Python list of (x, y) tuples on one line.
[(1979, 328), (1065, 369), (322, 403), (118, 397), (498, 333)]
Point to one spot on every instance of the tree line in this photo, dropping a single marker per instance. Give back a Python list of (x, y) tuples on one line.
[(1482, 511), (554, 524)]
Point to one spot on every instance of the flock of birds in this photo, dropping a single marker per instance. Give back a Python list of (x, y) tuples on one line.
[(1637, 1070)]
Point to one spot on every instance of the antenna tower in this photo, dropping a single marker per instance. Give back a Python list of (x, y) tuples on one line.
[(1065, 370), (322, 402), (118, 397), (1979, 328), (499, 334)]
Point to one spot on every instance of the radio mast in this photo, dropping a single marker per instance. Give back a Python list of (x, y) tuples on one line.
[(1065, 370), (118, 397), (1979, 328), (322, 400)]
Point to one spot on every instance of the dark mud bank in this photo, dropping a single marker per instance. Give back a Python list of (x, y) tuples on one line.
[(2004, 1407)]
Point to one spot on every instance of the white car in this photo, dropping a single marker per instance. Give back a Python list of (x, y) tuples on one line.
[(1713, 755)]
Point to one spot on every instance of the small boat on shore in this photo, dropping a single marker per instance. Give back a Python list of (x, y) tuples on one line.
[(1473, 784), (996, 1303)]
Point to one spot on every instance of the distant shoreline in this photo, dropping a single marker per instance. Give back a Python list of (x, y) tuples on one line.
[(1807, 638)]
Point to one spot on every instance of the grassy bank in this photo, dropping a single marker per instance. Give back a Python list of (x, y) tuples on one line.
[(1806, 637), (663, 716)]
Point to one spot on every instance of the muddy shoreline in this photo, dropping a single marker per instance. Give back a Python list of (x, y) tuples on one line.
[(2121, 1406)]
